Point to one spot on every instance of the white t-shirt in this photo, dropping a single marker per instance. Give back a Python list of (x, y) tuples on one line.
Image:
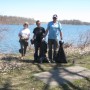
[(24, 33)]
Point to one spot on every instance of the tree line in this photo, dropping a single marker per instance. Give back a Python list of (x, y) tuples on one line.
[(74, 22), (15, 20), (20, 20)]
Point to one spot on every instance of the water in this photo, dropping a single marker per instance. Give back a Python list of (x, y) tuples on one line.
[(9, 41)]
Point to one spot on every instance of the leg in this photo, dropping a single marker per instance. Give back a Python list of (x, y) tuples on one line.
[(50, 49), (55, 43), (22, 45), (25, 47), (36, 51), (41, 50)]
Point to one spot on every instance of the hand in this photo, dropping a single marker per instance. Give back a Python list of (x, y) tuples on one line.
[(43, 39), (61, 38), (62, 41)]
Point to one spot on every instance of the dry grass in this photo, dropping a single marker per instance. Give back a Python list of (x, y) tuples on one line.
[(16, 74)]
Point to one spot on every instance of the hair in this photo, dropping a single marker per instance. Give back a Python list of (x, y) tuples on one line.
[(37, 21), (26, 23)]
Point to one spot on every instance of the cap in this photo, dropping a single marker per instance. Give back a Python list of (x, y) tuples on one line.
[(55, 16)]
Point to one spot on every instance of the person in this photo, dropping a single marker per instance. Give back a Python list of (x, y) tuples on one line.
[(37, 37), (24, 35), (54, 28)]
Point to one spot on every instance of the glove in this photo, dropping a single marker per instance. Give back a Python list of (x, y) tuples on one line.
[(43, 39), (62, 41)]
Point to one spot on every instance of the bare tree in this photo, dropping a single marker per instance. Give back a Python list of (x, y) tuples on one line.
[(2, 29), (84, 39), (15, 20)]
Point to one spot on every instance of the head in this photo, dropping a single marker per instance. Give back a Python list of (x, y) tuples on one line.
[(25, 25), (55, 17), (38, 23)]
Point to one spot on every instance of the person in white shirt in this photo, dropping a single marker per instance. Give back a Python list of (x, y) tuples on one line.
[(24, 35)]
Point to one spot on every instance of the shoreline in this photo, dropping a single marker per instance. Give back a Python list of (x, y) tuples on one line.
[(68, 50)]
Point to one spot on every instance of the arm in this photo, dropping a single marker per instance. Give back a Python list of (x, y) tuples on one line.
[(48, 27), (34, 34), (19, 35), (60, 29), (33, 37), (46, 32), (61, 35)]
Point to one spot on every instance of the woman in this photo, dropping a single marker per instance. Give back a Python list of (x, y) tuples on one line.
[(24, 35)]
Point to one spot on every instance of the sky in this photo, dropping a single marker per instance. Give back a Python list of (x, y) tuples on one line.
[(43, 10)]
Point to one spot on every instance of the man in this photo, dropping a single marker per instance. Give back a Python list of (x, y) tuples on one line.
[(38, 36), (54, 28), (24, 35)]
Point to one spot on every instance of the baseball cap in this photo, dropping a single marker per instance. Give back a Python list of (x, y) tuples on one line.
[(55, 16)]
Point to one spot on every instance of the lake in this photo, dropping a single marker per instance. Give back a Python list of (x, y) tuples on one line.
[(9, 35)]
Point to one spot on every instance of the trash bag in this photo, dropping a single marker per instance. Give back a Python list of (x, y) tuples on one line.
[(43, 58), (61, 57)]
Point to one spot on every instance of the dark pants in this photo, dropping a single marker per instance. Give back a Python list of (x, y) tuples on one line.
[(52, 44), (38, 50), (23, 44)]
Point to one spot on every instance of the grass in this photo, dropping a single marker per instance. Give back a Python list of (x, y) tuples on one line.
[(18, 74), (81, 60)]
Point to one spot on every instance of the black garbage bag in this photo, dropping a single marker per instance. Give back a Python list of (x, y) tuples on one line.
[(60, 57), (43, 58)]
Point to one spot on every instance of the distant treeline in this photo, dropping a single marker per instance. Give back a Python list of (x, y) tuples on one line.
[(15, 20), (20, 20), (74, 22)]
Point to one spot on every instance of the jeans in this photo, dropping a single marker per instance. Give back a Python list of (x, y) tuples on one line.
[(38, 50), (23, 45), (52, 44)]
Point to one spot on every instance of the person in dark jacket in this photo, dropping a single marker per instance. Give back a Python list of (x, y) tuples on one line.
[(38, 36)]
